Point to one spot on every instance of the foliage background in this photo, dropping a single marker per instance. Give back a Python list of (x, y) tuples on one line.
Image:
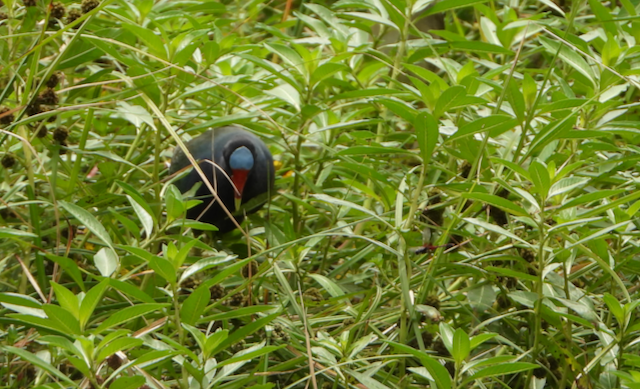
[(454, 208)]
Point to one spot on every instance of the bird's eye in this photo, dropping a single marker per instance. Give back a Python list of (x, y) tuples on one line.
[(241, 159)]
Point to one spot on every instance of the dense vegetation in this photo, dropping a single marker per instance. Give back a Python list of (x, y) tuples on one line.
[(455, 208)]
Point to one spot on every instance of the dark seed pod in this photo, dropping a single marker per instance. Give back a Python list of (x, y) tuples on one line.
[(60, 134), (217, 292), (34, 108), (114, 362), (499, 216), (54, 80), (527, 255), (250, 270), (57, 11), (42, 132), (49, 97), (440, 348), (89, 5), (236, 300), (7, 118), (8, 161), (73, 15), (465, 169)]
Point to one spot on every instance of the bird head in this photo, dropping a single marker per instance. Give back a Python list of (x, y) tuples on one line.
[(241, 162)]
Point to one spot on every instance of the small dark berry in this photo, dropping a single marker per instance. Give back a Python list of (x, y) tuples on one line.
[(73, 15), (189, 283), (434, 216), (60, 134), (540, 372), (236, 300), (217, 292), (88, 5), (427, 340), (440, 348), (250, 270), (29, 3), (57, 11), (527, 255), (34, 108), (465, 169), (6, 118), (114, 362), (54, 80), (49, 97), (42, 132), (553, 363), (6, 213), (499, 216), (8, 161)]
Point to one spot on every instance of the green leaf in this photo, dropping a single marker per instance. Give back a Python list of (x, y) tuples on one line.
[(289, 56), (373, 150), (66, 299), (493, 125), (243, 332), (128, 314), (164, 269), (512, 273), (151, 40), (399, 108), (540, 178), (479, 47), (16, 234), (286, 93), (36, 361), (591, 197), (118, 345), (126, 382), (438, 372), (62, 319), (89, 221), (213, 341), (427, 133), (566, 185), (68, 266), (502, 369), (144, 216), (497, 201), (615, 308), (498, 230), (569, 56), (193, 307), (250, 355), (106, 261), (447, 5), (453, 98), (461, 345)]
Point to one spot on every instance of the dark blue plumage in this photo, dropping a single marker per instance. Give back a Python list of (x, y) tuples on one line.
[(244, 158)]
